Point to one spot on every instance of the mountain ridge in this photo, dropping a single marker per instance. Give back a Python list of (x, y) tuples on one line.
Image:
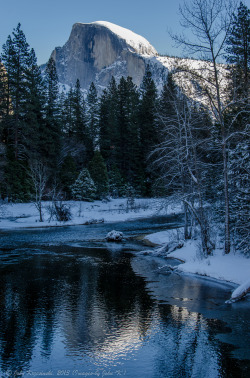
[(97, 51), (140, 44), (94, 53)]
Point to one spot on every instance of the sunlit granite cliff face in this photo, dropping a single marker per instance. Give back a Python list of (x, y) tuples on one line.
[(99, 50)]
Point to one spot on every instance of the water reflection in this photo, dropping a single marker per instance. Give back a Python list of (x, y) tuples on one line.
[(86, 311)]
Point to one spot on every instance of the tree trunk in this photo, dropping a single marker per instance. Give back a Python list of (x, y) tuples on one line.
[(40, 213), (186, 233), (227, 245)]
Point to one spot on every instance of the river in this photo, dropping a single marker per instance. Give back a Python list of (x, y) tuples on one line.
[(75, 305)]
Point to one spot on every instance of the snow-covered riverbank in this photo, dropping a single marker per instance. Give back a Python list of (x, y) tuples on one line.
[(25, 215), (233, 267)]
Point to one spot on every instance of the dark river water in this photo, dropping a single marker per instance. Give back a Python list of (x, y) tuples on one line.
[(73, 305)]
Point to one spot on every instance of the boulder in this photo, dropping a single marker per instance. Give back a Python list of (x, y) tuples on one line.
[(114, 236)]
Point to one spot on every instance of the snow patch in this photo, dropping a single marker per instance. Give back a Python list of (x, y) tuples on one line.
[(163, 237), (136, 41)]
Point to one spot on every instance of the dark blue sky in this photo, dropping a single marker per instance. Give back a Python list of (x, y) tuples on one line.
[(47, 23)]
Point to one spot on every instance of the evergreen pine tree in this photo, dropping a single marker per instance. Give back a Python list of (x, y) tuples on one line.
[(67, 175), (148, 129), (50, 141), (75, 136), (33, 107), (239, 178), (119, 130), (81, 133), (18, 61), (79, 115), (66, 113), (15, 58), (238, 50), (132, 147), (99, 174), (83, 188), (123, 125), (92, 118), (3, 124), (109, 123), (105, 137), (4, 104), (117, 186), (52, 90)]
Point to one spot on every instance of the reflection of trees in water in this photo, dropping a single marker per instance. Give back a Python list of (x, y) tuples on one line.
[(90, 300), (113, 316), (31, 292), (21, 296), (189, 347), (102, 310), (190, 343)]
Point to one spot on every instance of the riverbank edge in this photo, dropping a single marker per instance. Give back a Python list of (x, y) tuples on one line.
[(25, 216), (236, 272), (16, 216)]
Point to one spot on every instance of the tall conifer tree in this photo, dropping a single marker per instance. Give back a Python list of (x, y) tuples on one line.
[(127, 146), (34, 107), (79, 114), (109, 123), (51, 133), (148, 129), (99, 174), (92, 117), (238, 50), (15, 58), (4, 103)]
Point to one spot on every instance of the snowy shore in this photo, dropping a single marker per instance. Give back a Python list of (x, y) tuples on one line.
[(234, 268), (25, 215)]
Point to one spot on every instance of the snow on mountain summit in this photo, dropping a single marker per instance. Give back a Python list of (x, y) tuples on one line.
[(97, 51), (136, 41)]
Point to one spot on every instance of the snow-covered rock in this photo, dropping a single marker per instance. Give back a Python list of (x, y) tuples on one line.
[(114, 236)]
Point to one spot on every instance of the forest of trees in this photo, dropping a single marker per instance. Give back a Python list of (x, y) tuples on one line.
[(131, 141)]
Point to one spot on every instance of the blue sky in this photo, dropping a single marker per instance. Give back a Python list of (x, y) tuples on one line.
[(47, 23)]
